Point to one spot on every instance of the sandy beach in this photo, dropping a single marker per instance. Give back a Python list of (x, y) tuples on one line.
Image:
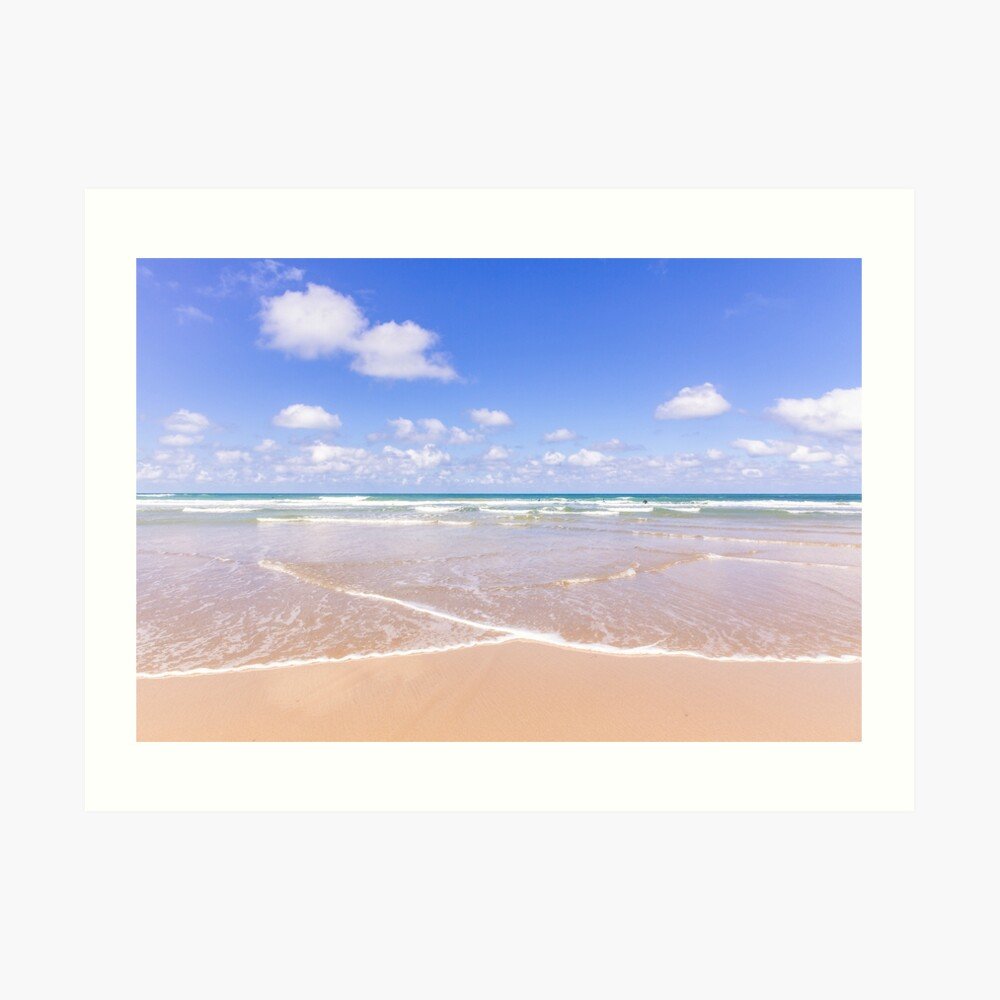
[(509, 692)]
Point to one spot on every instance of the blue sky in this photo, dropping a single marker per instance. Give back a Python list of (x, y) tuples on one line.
[(499, 375)]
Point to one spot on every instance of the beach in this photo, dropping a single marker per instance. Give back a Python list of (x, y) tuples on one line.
[(511, 691), (518, 617)]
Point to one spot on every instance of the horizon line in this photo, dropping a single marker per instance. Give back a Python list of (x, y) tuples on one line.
[(452, 493)]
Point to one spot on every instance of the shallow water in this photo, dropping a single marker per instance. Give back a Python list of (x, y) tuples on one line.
[(240, 581)]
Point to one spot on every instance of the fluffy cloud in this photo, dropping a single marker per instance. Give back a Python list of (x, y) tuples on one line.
[(428, 457), (186, 428), (311, 324), (266, 445), (808, 455), (585, 457), (754, 447), (490, 418), (801, 454), (836, 412), (300, 416), (714, 454), (563, 434), (322, 454), (179, 440), (693, 401), (752, 473), (399, 350), (232, 457), (496, 454), (190, 314), (554, 458), (187, 422), (460, 436), (320, 322), (147, 472), (425, 429)]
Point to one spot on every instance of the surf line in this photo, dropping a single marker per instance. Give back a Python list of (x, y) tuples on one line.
[(321, 660), (552, 638)]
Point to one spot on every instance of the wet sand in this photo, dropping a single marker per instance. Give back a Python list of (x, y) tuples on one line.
[(515, 691)]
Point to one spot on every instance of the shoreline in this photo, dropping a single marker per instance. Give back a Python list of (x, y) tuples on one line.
[(516, 690)]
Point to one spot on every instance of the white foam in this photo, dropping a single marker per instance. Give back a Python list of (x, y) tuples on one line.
[(233, 504), (629, 571), (391, 521), (781, 562), (506, 505), (315, 660), (216, 510), (553, 638)]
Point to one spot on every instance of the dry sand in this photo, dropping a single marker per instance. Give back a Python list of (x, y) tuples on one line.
[(514, 691)]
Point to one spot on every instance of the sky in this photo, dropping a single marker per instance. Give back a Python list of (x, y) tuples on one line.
[(500, 376)]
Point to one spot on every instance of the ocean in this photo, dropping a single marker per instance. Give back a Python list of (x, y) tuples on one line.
[(253, 581)]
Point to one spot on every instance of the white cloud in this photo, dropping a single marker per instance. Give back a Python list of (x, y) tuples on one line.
[(836, 412), (301, 416), (188, 314), (496, 454), (563, 434), (554, 458), (321, 322), (714, 454), (800, 453), (687, 461), (311, 324), (460, 436), (693, 401), (808, 455), (586, 457), (147, 472), (187, 422), (428, 457), (266, 445), (754, 447), (490, 418), (403, 428), (232, 457), (399, 350), (186, 428), (425, 429), (752, 473), (433, 427), (259, 277), (321, 453)]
